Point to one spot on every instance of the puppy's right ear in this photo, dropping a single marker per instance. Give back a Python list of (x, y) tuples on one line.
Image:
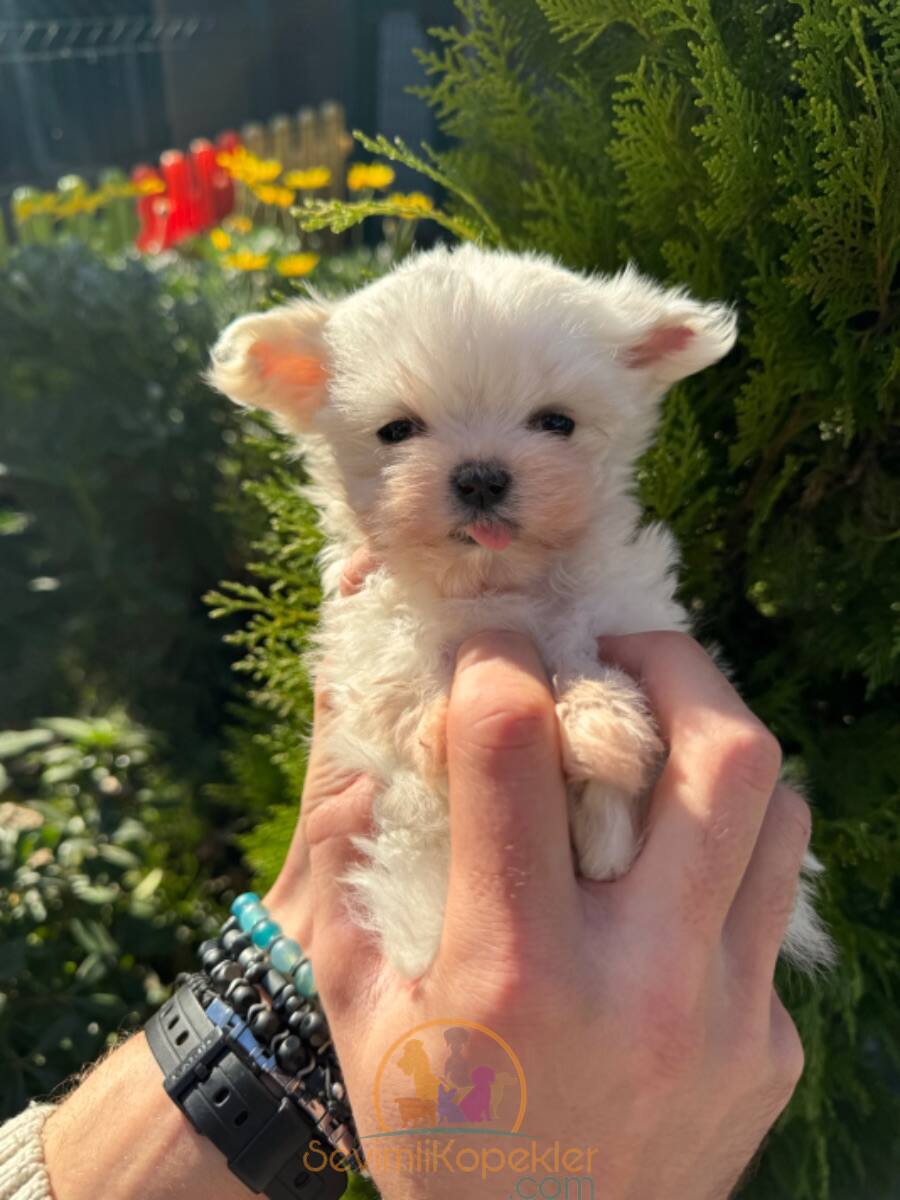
[(275, 360)]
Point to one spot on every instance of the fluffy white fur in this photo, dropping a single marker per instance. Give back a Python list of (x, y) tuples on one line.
[(471, 345)]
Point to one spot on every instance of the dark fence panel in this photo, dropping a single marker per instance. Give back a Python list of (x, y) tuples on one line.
[(86, 84)]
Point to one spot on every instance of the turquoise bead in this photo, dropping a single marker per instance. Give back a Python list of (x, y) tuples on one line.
[(264, 933), (303, 978), (285, 954), (251, 915), (239, 903)]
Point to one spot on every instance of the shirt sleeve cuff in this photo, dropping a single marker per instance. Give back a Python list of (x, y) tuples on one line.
[(23, 1172)]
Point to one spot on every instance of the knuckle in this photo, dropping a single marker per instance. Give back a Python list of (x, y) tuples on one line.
[(502, 719), (753, 760), (665, 643), (787, 1070), (508, 728), (787, 1054), (795, 818)]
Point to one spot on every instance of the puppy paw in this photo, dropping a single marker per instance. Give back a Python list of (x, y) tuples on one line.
[(431, 741), (608, 735), (604, 826)]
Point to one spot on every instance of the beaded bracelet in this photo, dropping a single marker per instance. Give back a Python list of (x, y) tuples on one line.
[(251, 954)]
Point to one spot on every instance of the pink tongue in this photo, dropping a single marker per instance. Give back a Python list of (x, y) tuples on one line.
[(492, 537)]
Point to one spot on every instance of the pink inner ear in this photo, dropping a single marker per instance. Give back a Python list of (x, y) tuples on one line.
[(657, 344), (286, 368)]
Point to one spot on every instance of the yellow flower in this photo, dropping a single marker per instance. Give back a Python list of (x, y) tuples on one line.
[(309, 180), (415, 202), (247, 168), (362, 176), (264, 170), (292, 265), (227, 158), (281, 196), (246, 260), (150, 187), (380, 175), (220, 239), (238, 224)]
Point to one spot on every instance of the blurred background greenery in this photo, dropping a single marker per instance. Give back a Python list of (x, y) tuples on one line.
[(157, 580)]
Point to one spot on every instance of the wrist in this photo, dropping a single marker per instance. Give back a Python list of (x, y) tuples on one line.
[(120, 1136)]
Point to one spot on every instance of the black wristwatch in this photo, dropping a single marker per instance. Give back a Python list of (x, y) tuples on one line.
[(272, 1143)]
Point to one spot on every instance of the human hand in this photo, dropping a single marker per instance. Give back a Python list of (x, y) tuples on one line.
[(643, 1010)]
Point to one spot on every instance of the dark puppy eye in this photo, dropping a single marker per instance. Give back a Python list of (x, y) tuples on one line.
[(398, 431), (552, 422)]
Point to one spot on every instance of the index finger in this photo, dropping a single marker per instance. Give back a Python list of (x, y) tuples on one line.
[(711, 798), (511, 874)]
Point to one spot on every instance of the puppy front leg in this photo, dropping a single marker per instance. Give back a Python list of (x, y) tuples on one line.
[(610, 746), (430, 748)]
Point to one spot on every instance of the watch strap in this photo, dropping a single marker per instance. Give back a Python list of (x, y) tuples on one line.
[(262, 1133)]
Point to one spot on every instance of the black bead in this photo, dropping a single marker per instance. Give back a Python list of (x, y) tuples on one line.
[(265, 1025), (234, 941), (207, 946), (277, 1040), (240, 995), (212, 958), (337, 1090), (290, 1055), (293, 1003), (295, 1020), (280, 999), (231, 923), (274, 983), (255, 973), (313, 1025), (249, 956), (254, 1010), (224, 972)]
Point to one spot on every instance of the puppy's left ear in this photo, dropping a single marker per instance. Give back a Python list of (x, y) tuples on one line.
[(667, 335), (275, 360)]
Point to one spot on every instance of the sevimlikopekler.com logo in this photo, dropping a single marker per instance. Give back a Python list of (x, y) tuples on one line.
[(450, 1097)]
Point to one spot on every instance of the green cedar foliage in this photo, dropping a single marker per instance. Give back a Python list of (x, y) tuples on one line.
[(751, 152)]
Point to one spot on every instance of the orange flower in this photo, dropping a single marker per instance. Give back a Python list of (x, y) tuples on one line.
[(238, 223)]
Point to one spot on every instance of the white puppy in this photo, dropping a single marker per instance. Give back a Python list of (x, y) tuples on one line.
[(476, 418)]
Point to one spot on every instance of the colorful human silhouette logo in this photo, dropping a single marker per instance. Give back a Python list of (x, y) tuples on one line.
[(450, 1075)]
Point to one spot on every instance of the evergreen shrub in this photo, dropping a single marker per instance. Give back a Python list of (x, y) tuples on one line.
[(752, 153)]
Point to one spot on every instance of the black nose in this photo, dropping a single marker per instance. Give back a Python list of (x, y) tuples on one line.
[(480, 485)]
